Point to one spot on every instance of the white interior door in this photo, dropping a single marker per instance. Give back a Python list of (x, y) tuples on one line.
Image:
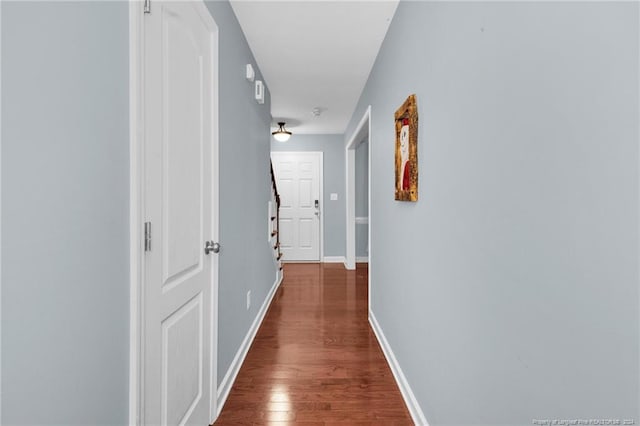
[(298, 179), (180, 205)]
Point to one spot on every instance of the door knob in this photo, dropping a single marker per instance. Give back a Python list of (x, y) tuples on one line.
[(210, 246)]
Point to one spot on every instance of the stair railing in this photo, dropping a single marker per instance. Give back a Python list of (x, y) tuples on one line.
[(275, 219)]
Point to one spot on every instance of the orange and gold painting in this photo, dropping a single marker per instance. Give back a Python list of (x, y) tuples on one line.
[(406, 118)]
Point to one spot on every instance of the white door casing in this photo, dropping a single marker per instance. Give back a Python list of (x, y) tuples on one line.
[(177, 193), (362, 132), (299, 181)]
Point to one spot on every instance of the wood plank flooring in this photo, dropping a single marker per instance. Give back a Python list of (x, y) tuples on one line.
[(315, 359)]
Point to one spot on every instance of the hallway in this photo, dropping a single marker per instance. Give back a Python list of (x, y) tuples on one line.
[(315, 360)]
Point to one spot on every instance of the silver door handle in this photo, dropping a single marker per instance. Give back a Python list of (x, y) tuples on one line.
[(210, 246)]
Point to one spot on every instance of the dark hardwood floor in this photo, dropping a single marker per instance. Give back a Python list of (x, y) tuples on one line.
[(315, 360)]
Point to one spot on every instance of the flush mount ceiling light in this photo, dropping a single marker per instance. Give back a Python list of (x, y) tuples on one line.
[(282, 134)]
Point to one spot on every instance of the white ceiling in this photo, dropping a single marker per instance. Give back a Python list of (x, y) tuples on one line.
[(314, 54)]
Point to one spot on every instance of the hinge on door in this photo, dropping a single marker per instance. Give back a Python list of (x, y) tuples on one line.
[(147, 236), (147, 6)]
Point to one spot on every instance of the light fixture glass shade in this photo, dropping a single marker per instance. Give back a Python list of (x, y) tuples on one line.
[(282, 134)]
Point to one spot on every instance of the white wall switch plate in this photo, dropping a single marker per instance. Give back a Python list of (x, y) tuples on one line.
[(334, 196), (251, 74), (248, 299)]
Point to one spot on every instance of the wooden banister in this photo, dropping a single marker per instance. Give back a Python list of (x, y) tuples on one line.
[(276, 227)]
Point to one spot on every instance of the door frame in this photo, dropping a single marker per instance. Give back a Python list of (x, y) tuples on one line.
[(362, 131), (320, 156), (0, 219), (137, 208)]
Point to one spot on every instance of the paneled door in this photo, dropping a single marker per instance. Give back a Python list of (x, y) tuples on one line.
[(298, 177), (179, 208)]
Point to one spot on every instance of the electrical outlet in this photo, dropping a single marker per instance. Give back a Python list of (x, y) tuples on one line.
[(248, 299)]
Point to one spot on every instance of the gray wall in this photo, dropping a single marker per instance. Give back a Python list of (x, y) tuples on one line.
[(334, 181), (509, 291), (246, 261), (362, 198), (65, 144), (65, 201)]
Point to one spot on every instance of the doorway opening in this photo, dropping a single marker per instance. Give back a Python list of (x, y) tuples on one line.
[(358, 177), (362, 200)]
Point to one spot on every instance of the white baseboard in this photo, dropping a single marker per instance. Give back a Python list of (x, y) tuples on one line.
[(407, 394), (362, 259), (238, 360), (333, 259)]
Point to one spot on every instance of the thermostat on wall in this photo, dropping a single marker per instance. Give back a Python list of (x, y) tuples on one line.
[(259, 92)]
